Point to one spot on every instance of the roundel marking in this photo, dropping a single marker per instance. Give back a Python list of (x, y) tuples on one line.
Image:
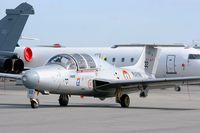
[(126, 75)]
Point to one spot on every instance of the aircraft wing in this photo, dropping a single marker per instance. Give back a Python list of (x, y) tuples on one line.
[(135, 85), (11, 76)]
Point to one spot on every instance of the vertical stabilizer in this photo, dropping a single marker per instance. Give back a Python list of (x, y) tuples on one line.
[(151, 60), (11, 26), (148, 60)]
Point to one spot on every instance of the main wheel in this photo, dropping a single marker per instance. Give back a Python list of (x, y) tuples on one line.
[(178, 88), (125, 101), (63, 100), (34, 103)]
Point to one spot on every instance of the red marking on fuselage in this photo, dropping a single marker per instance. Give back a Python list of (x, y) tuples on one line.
[(28, 54), (56, 45), (126, 75)]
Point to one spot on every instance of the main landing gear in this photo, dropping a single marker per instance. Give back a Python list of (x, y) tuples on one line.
[(177, 88), (125, 101), (122, 99), (63, 100)]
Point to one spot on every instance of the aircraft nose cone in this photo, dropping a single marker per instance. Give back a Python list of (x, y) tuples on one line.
[(30, 79)]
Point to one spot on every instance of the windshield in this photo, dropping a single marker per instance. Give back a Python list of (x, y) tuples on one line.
[(64, 60)]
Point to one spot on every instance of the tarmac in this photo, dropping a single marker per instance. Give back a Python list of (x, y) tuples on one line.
[(163, 111)]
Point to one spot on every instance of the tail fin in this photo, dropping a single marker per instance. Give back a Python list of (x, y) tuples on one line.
[(148, 60), (152, 58), (11, 26)]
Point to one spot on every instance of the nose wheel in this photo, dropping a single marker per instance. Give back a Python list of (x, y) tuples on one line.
[(34, 103), (63, 100), (31, 94)]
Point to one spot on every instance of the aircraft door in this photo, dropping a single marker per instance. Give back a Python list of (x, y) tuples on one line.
[(170, 64)]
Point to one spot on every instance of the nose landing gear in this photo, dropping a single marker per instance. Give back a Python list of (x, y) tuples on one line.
[(34, 103)]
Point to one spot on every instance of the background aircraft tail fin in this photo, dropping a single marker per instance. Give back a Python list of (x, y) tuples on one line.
[(151, 59), (11, 26), (148, 60)]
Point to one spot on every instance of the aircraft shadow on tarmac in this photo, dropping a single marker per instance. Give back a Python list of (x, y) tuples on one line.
[(99, 106)]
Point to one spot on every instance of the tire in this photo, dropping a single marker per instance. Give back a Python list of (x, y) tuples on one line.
[(178, 89), (125, 101), (34, 104), (63, 100)]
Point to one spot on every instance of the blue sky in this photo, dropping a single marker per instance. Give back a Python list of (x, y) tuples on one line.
[(108, 22)]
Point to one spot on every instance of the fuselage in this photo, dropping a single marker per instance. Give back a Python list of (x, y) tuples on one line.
[(74, 74), (173, 62)]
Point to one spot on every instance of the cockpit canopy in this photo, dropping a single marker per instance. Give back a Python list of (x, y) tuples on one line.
[(74, 61)]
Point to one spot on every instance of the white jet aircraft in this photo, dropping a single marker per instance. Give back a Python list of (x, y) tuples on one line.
[(175, 60), (82, 74)]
